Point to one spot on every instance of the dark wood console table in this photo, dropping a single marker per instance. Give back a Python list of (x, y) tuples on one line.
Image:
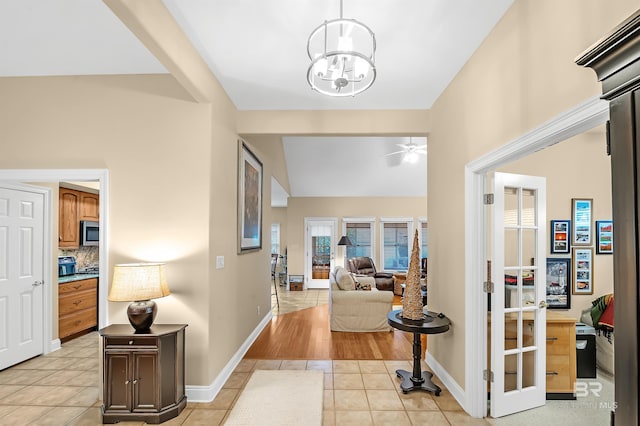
[(143, 375), (432, 323)]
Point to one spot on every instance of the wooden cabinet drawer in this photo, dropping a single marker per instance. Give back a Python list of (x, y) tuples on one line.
[(119, 342), (559, 378), (77, 321), (558, 339), (80, 285), (71, 302)]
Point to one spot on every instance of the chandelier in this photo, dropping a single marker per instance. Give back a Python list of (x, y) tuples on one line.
[(342, 53)]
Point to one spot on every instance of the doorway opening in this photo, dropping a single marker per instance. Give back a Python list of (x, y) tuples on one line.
[(31, 176), (580, 119), (320, 242)]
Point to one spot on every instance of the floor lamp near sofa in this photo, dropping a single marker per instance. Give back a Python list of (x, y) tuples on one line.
[(344, 241)]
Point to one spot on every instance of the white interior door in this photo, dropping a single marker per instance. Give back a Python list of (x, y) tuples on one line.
[(518, 314), (320, 244), (21, 275)]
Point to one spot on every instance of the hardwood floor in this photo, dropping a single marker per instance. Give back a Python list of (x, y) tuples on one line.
[(305, 334)]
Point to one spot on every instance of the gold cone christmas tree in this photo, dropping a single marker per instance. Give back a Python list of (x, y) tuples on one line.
[(412, 299)]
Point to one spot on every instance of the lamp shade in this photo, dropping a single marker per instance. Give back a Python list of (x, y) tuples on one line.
[(138, 281), (344, 241)]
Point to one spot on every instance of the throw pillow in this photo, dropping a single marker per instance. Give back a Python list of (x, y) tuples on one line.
[(606, 319), (344, 280), (363, 286)]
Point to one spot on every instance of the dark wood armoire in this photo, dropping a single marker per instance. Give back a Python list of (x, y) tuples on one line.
[(616, 61)]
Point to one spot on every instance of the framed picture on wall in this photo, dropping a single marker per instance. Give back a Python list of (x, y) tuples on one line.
[(581, 209), (249, 200), (604, 237), (560, 234), (558, 283), (582, 270)]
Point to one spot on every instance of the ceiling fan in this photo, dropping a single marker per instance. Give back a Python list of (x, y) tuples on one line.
[(411, 151)]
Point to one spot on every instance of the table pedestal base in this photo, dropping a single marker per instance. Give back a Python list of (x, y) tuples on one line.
[(410, 383)]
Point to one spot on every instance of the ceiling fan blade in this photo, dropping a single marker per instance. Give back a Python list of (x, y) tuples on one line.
[(396, 152)]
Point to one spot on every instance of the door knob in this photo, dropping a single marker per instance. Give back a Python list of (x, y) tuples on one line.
[(37, 283), (543, 304)]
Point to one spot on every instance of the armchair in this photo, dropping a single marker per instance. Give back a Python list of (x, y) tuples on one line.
[(365, 266)]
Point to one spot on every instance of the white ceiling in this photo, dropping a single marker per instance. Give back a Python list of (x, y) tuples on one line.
[(353, 167), (257, 50)]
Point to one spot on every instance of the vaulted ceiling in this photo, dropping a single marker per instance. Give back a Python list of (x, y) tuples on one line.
[(257, 50)]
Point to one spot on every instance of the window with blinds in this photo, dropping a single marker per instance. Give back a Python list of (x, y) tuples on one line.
[(360, 235), (395, 250)]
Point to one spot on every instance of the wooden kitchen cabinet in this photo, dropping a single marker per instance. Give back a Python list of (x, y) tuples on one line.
[(68, 218), (89, 206), (77, 307), (75, 206), (143, 377)]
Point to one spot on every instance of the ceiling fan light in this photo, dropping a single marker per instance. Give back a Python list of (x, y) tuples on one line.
[(411, 157)]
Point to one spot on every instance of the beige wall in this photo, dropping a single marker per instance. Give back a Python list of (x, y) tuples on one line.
[(521, 76), (172, 165), (576, 168), (339, 207)]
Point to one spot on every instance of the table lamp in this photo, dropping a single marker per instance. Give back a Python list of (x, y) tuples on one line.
[(139, 283)]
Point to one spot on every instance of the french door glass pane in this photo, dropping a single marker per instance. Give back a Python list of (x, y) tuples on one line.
[(510, 372), (321, 256), (528, 369), (529, 247), (528, 208)]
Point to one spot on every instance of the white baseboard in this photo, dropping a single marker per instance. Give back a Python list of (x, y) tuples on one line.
[(54, 345), (208, 393), (452, 386)]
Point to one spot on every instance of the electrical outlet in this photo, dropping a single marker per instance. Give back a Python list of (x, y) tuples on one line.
[(258, 309), (219, 262)]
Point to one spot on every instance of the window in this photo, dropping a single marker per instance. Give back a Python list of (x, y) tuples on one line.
[(275, 238), (361, 236), (424, 239), (395, 245)]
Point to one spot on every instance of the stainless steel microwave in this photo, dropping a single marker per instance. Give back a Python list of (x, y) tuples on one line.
[(89, 233)]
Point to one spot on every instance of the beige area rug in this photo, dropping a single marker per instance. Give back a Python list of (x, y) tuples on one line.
[(280, 397)]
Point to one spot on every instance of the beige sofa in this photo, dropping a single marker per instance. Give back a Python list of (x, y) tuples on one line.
[(357, 310)]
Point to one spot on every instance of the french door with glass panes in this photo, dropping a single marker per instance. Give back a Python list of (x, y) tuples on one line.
[(320, 245), (518, 314)]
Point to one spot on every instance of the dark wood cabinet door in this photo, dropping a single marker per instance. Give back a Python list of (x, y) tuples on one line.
[(117, 395), (145, 381)]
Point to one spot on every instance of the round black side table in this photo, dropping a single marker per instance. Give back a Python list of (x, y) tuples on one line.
[(431, 323)]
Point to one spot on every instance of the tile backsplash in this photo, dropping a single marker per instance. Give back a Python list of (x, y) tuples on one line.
[(85, 256)]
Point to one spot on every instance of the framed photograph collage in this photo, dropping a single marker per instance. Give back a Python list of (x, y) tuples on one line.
[(575, 238)]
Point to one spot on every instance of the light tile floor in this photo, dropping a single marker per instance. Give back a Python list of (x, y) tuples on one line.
[(61, 388), (291, 301)]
